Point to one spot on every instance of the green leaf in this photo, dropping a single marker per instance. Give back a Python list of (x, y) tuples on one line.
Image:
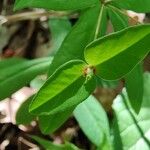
[(73, 45), (118, 20), (48, 145), (111, 53), (50, 123), (59, 29), (129, 122), (97, 127), (134, 86), (64, 89), (4, 63), (55, 4), (23, 116), (14, 77), (141, 6)]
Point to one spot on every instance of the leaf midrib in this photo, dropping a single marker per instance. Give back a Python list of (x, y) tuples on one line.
[(41, 104)]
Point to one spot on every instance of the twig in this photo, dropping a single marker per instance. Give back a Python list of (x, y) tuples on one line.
[(33, 15), (26, 142)]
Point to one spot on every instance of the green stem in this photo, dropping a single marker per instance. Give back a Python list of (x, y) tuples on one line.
[(99, 22)]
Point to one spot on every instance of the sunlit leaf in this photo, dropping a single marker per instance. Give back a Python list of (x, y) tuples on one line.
[(64, 89), (117, 54)]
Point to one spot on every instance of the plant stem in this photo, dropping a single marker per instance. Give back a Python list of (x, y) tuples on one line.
[(33, 15), (99, 22)]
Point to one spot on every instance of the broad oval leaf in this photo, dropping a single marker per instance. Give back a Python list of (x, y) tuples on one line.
[(110, 53), (21, 74), (55, 4), (73, 45), (23, 116), (97, 128), (141, 6), (64, 89)]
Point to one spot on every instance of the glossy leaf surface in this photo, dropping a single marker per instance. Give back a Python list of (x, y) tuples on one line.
[(111, 53), (64, 89), (72, 47)]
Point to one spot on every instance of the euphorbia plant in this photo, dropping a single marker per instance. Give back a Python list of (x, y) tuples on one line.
[(87, 55)]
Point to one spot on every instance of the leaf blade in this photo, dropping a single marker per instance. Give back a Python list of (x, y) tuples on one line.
[(50, 123), (23, 116), (109, 55), (23, 73), (134, 85), (55, 5), (65, 84), (141, 6), (97, 128), (138, 124), (86, 31)]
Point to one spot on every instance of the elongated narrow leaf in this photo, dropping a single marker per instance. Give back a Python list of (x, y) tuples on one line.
[(59, 29), (50, 123), (64, 89), (17, 76), (118, 20), (5, 63), (97, 128), (23, 116), (48, 145), (134, 81), (111, 54), (73, 45), (141, 6), (55, 4), (134, 86), (129, 122)]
